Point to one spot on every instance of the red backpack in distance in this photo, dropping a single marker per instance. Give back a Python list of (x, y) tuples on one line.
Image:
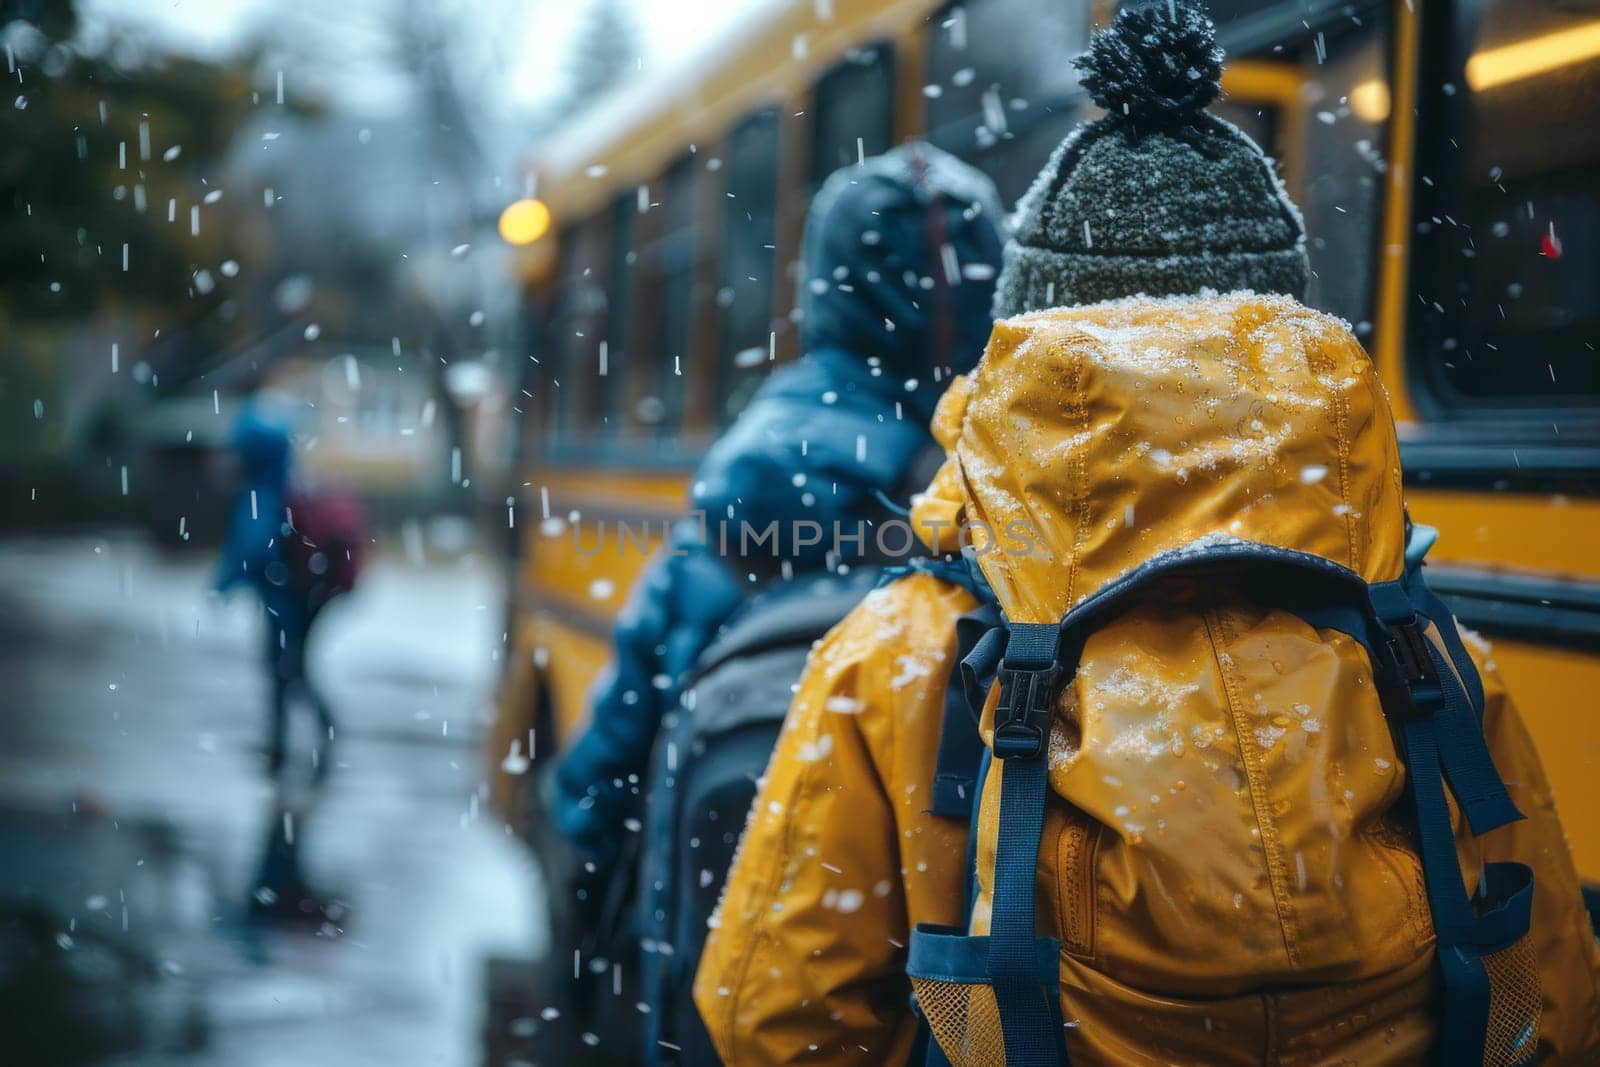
[(324, 551)]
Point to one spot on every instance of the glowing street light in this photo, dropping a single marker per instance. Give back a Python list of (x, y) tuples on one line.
[(1369, 101), (524, 221)]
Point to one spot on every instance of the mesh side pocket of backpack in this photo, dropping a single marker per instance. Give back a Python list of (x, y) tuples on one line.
[(949, 973), (1516, 1003), (964, 1019)]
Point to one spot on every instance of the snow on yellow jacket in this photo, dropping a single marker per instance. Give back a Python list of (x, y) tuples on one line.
[(1225, 862)]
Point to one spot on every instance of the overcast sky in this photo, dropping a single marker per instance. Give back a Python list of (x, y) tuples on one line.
[(671, 31)]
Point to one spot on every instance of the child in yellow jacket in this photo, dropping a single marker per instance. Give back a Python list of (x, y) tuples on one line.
[(1225, 859)]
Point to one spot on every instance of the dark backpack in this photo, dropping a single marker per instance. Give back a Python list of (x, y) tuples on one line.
[(703, 780), (326, 546)]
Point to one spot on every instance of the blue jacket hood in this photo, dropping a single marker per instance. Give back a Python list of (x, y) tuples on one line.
[(819, 441), (900, 255), (261, 441), (254, 543)]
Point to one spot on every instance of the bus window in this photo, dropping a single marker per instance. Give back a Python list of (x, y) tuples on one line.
[(853, 111), (1507, 270), (583, 300), (998, 98), (745, 295), (1316, 98), (611, 359), (554, 354), (1341, 171), (672, 270), (534, 403)]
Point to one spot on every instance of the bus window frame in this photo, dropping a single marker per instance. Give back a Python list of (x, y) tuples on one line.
[(1474, 441), (553, 360), (888, 55), (609, 413), (572, 405), (696, 421), (726, 379), (542, 321), (573, 437), (1071, 102), (648, 302), (1275, 23), (674, 395), (1258, 41), (643, 308)]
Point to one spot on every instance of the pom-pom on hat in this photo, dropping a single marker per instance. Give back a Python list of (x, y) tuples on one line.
[(1158, 197)]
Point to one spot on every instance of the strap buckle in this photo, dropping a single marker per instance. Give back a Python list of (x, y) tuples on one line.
[(1408, 661), (1022, 721)]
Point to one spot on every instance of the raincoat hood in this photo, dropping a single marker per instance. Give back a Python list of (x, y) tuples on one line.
[(1091, 439), (900, 255)]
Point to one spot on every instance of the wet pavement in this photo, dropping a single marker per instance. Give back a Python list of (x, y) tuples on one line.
[(135, 819)]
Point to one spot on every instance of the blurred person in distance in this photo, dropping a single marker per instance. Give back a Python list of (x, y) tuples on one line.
[(255, 553)]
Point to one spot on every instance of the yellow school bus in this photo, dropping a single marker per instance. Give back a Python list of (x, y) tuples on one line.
[(1447, 158)]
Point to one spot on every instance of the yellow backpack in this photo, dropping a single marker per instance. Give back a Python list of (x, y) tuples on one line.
[(1222, 716)]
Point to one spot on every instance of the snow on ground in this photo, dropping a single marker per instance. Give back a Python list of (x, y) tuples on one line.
[(134, 813)]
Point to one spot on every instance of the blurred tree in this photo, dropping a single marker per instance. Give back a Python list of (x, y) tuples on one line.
[(113, 234), (423, 37), (362, 222), (605, 53), (102, 160)]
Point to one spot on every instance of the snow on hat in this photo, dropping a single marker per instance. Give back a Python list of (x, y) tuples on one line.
[(1158, 197)]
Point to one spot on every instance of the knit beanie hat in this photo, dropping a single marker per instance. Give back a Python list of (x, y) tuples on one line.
[(1158, 197)]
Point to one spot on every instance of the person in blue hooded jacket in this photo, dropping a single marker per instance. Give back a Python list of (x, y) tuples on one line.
[(253, 556), (899, 256)]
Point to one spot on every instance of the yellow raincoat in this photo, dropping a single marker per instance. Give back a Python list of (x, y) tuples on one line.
[(1224, 860)]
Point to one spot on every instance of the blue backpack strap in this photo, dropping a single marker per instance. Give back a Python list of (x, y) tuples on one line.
[(953, 569), (978, 631), (942, 950), (1434, 699), (1030, 675), (1445, 693), (1442, 737), (1418, 541), (962, 761), (960, 746)]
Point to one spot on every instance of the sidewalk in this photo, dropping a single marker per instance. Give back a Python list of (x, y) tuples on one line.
[(134, 812)]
